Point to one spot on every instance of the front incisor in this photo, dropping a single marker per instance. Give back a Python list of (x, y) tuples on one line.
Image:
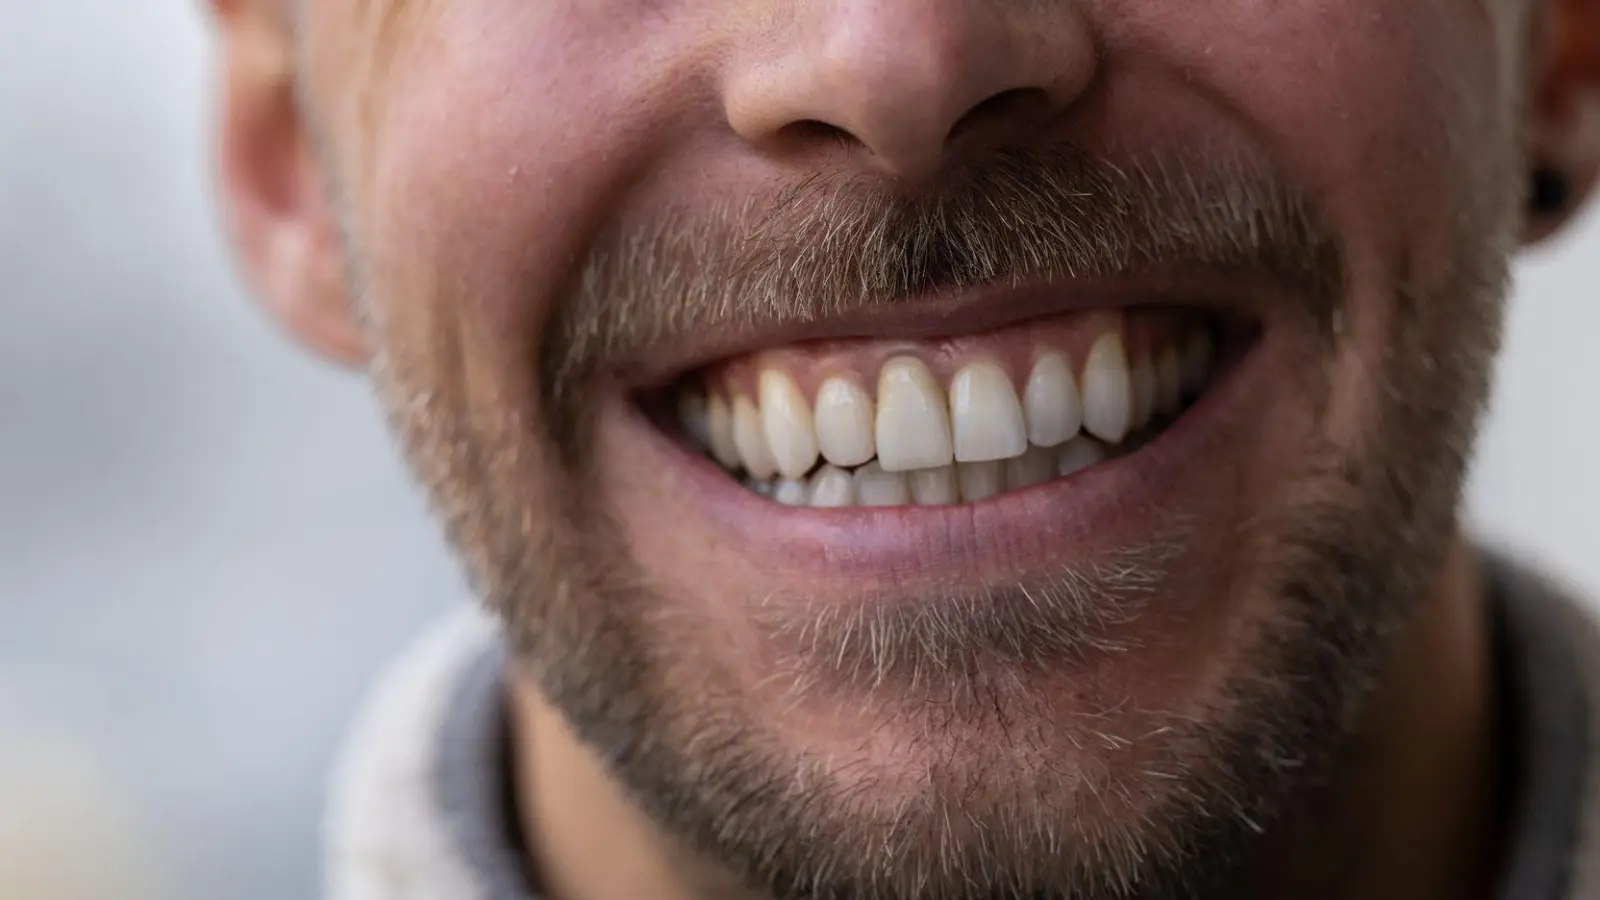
[(844, 420), (913, 424), (985, 414)]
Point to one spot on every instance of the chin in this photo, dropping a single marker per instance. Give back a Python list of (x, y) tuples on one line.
[(1075, 644)]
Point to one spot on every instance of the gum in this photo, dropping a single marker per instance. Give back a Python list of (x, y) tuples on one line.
[(1144, 334)]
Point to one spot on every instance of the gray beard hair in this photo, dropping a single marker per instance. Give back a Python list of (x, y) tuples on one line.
[(1001, 808), (883, 649), (996, 814)]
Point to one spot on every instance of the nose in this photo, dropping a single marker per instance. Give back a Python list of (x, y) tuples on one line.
[(906, 82)]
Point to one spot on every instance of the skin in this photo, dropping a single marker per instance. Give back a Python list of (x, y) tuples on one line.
[(491, 205)]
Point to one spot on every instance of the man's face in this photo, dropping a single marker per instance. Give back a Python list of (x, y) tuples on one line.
[(937, 448)]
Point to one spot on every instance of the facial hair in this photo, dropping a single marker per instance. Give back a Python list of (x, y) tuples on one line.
[(994, 814)]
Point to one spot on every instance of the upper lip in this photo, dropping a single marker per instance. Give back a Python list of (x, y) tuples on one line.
[(973, 311)]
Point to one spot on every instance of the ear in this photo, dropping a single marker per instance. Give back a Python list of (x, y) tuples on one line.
[(1564, 130), (284, 228)]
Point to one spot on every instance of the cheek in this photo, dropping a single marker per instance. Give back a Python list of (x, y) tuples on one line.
[(1397, 116), (1379, 107), (493, 162)]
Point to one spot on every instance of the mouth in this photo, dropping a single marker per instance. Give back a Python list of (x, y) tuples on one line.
[(951, 420)]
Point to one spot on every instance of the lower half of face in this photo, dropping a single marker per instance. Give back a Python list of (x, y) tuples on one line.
[(897, 558)]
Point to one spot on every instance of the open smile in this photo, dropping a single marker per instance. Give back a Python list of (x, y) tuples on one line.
[(875, 423), (953, 451)]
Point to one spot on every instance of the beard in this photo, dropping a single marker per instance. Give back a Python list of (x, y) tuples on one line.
[(997, 791)]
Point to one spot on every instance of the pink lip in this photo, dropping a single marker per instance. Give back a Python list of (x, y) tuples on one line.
[(1014, 532)]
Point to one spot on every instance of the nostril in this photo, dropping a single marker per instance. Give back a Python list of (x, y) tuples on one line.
[(1013, 104), (810, 131)]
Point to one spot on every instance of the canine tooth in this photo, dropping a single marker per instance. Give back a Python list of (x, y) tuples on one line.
[(843, 420), (1034, 467), (1169, 381), (719, 420), (832, 487), (980, 480), (1053, 409), (786, 423), (790, 493), (985, 414), (935, 487), (752, 444), (1107, 389), (694, 416), (1198, 355), (1078, 454), (1144, 392), (913, 427), (876, 487)]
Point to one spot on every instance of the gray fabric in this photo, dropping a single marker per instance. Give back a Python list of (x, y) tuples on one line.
[(1547, 710), (1548, 659), (473, 789)]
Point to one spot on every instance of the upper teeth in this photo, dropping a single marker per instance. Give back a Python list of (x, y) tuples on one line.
[(787, 424), (719, 424), (983, 423), (748, 437), (1108, 401), (913, 426), (844, 422), (986, 414), (1054, 408)]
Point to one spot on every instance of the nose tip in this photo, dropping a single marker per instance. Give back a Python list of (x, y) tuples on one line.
[(905, 82)]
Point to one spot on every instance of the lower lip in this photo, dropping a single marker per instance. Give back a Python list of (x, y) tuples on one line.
[(1017, 531)]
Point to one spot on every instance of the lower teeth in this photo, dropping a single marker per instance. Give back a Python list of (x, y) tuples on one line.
[(870, 485)]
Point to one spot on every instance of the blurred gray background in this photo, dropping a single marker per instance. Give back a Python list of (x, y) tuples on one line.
[(207, 544)]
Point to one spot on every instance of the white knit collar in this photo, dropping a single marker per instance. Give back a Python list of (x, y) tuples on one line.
[(419, 797)]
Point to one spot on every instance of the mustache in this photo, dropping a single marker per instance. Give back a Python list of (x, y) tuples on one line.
[(836, 243)]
